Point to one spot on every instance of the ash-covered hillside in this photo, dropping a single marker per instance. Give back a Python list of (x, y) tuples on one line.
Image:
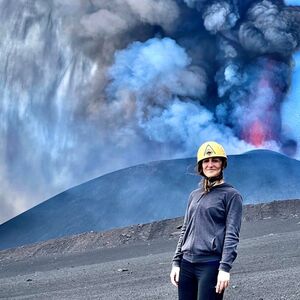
[(147, 193), (141, 233)]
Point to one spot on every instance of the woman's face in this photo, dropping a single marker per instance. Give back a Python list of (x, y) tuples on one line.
[(212, 166)]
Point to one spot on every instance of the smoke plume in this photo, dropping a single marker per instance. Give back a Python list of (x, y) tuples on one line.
[(88, 87)]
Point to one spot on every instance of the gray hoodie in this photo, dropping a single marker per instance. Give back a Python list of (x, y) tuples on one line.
[(211, 227)]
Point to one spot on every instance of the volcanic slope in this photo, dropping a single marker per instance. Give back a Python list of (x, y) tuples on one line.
[(134, 262), (147, 193)]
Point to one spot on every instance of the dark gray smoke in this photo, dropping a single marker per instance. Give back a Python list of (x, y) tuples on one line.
[(88, 87), (269, 28)]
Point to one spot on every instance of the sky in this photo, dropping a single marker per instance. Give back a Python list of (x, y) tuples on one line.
[(292, 2), (291, 108)]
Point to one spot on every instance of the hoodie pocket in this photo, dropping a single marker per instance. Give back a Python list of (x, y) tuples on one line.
[(217, 244), (213, 244)]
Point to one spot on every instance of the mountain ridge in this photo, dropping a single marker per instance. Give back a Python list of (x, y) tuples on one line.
[(146, 193)]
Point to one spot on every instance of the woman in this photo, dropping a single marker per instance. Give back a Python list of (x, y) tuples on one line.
[(210, 232)]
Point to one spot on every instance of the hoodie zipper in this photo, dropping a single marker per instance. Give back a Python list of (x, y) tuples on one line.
[(194, 217)]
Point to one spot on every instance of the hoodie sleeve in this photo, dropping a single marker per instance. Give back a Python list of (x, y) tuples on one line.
[(234, 208), (178, 253)]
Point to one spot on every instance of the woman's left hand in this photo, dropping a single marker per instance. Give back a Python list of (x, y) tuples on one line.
[(222, 281)]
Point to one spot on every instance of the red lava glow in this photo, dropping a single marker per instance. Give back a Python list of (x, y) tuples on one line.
[(256, 134), (259, 130)]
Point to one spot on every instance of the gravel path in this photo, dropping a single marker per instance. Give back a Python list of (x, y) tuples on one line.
[(267, 268)]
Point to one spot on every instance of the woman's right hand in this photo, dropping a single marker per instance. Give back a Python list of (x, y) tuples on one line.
[(174, 275)]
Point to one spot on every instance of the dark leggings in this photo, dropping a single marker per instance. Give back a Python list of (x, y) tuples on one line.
[(197, 281)]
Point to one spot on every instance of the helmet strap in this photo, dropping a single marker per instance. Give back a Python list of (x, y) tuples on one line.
[(209, 182), (215, 178)]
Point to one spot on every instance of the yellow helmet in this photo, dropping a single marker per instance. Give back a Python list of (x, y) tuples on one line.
[(211, 149)]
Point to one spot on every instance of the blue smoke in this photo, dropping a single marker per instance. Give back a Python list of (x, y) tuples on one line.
[(141, 64), (158, 79)]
